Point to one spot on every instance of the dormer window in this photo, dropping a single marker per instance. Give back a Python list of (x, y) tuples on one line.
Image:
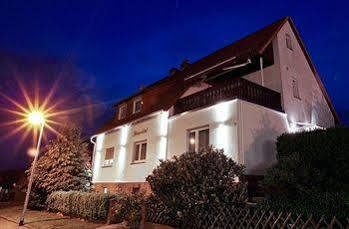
[(289, 42), (137, 105), (122, 111)]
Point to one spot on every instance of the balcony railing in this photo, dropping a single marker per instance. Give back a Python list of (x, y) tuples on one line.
[(236, 88)]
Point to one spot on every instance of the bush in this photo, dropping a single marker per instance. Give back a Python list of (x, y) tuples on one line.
[(128, 208), (198, 182), (312, 173), (92, 206)]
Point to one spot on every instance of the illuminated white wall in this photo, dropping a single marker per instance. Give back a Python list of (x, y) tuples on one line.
[(312, 108), (156, 136), (98, 157), (154, 129), (259, 128), (104, 141), (247, 132), (221, 120)]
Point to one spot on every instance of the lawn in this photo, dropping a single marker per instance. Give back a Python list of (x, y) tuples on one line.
[(43, 219)]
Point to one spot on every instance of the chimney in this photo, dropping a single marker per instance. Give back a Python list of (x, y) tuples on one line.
[(141, 87), (173, 71), (184, 64)]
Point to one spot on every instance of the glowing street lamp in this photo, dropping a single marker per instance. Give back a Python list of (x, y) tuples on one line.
[(36, 115), (34, 118)]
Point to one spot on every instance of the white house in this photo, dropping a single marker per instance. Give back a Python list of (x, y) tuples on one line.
[(239, 98)]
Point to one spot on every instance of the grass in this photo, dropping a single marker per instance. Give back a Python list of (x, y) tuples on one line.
[(43, 219)]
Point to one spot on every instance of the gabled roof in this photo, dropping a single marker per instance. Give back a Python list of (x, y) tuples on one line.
[(162, 94), (249, 46)]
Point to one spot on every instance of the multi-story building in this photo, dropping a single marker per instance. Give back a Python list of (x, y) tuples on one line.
[(239, 98)]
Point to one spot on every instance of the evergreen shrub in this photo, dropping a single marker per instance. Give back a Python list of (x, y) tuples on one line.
[(197, 182)]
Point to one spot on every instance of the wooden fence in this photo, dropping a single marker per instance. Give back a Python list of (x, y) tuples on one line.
[(248, 217)]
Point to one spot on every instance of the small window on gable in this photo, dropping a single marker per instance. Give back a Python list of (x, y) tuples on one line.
[(122, 111), (137, 105), (109, 157), (289, 42), (198, 139), (140, 151), (295, 89)]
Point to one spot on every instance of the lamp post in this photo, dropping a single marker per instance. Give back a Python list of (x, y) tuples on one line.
[(34, 118)]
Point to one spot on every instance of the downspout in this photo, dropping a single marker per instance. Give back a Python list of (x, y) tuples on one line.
[(261, 66), (93, 154), (241, 156)]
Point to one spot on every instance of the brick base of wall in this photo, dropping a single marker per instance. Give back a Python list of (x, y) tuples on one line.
[(131, 187)]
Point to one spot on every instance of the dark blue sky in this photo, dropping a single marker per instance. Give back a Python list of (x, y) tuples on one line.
[(116, 46)]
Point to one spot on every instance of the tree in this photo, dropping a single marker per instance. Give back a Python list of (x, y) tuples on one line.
[(62, 167)]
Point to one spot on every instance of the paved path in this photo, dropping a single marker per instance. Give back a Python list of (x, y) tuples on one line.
[(9, 215), (5, 224)]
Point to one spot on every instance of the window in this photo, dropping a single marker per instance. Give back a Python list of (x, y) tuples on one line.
[(122, 111), (289, 42), (198, 139), (295, 89), (140, 151), (137, 105), (109, 157)]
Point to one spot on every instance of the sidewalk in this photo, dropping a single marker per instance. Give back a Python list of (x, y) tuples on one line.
[(146, 226), (9, 217), (5, 224)]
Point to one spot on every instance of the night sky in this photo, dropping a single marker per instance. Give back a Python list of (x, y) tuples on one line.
[(102, 51)]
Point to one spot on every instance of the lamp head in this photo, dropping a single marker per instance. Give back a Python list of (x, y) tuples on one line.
[(36, 118)]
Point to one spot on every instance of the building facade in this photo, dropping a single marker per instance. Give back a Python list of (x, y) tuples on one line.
[(239, 98)]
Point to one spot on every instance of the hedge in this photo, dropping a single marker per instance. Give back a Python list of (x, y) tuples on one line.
[(323, 153), (129, 208), (311, 175), (92, 206)]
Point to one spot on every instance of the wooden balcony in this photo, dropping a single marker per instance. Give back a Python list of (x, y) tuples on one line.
[(232, 89)]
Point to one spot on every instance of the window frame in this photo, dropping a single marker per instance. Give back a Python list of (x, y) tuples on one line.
[(140, 144), (139, 99), (197, 143), (122, 106), (295, 88), (108, 162), (289, 42)]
